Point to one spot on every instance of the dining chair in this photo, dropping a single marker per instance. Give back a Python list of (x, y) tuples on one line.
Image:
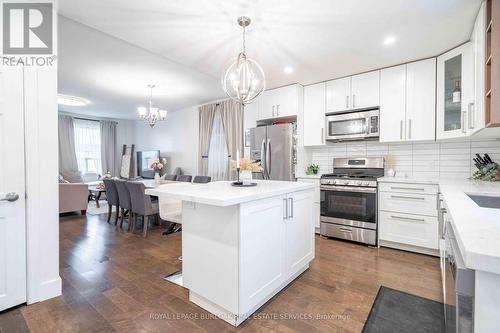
[(112, 197), (141, 205), (125, 201), (184, 178), (170, 177), (202, 179)]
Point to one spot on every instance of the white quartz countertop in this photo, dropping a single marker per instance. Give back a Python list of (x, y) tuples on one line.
[(409, 180), (476, 229), (223, 194)]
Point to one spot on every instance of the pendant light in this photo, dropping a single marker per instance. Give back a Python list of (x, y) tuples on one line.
[(244, 80), (151, 114)]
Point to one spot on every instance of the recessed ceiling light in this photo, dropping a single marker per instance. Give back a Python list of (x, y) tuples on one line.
[(389, 40), (69, 100), (288, 69)]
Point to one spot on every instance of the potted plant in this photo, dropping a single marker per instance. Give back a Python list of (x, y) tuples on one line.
[(312, 169)]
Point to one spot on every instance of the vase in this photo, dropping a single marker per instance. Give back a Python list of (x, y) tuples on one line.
[(245, 175), (157, 178)]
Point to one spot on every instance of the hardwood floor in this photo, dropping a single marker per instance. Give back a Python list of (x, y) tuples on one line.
[(112, 281)]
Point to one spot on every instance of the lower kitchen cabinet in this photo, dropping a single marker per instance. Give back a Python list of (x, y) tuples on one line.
[(316, 199), (407, 217)]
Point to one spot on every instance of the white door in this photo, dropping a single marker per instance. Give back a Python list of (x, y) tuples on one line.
[(365, 90), (12, 186), (299, 249), (476, 110), (392, 104), (338, 95), (286, 101), (455, 73), (314, 114), (421, 100)]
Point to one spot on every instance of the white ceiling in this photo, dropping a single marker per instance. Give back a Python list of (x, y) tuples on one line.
[(183, 46)]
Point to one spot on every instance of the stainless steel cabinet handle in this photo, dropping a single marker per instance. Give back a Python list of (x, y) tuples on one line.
[(278, 110), (407, 188), (404, 197), (472, 120), (347, 102), (11, 197), (411, 219), (353, 100), (273, 110), (322, 135), (463, 122), (290, 213), (285, 209), (401, 130), (409, 128)]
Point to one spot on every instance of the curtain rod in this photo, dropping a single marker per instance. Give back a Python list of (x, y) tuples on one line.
[(80, 118)]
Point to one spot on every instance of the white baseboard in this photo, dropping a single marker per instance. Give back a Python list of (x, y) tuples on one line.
[(235, 319), (47, 289)]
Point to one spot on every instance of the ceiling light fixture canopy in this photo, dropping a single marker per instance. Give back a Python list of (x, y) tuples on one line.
[(151, 114), (244, 80), (69, 100)]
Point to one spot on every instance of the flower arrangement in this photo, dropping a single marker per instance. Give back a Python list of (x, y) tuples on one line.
[(247, 165), (312, 169), (157, 166)]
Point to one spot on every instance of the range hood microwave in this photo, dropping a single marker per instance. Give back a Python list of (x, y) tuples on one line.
[(356, 125)]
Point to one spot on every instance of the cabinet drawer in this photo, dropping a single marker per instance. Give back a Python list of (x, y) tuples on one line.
[(409, 229), (420, 204), (408, 188)]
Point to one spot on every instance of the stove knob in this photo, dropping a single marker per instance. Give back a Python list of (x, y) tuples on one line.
[(346, 182), (332, 182), (366, 184), (357, 182)]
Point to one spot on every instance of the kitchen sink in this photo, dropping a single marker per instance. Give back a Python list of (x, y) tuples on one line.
[(485, 201)]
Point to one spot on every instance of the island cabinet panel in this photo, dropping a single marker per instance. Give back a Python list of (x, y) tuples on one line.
[(210, 241), (262, 257), (299, 226)]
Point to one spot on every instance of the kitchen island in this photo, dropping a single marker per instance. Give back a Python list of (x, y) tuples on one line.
[(241, 246)]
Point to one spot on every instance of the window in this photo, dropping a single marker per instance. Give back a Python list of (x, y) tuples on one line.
[(218, 160), (88, 145)]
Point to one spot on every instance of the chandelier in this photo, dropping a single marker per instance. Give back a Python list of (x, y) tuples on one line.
[(244, 80), (151, 114)]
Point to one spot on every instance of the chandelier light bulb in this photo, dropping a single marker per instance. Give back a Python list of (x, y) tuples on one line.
[(151, 113)]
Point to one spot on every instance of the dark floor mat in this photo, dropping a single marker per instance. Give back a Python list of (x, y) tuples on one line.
[(12, 321), (399, 312)]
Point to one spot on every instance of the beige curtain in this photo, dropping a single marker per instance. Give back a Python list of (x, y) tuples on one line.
[(108, 147), (206, 119), (232, 118)]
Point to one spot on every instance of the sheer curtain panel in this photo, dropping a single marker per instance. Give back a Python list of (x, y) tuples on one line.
[(218, 160), (88, 145)]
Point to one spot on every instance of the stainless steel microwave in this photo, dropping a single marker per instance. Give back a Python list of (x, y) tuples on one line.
[(357, 125)]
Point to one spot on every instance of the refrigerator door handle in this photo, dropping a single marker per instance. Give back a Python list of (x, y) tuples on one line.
[(268, 159), (263, 157)]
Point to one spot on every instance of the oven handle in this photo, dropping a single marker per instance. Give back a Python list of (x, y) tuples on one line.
[(349, 189)]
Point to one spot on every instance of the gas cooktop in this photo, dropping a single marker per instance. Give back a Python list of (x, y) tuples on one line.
[(362, 171)]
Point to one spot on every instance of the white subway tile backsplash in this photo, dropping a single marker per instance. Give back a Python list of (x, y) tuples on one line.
[(430, 160)]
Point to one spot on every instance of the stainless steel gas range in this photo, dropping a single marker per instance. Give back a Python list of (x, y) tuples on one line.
[(349, 199)]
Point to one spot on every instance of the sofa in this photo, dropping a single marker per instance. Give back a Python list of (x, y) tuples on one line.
[(73, 197)]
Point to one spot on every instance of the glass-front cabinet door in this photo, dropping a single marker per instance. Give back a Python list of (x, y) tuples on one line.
[(455, 95)]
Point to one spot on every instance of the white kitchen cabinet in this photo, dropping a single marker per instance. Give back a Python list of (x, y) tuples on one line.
[(365, 90), (316, 199), (354, 92), (476, 119), (407, 102), (314, 114), (281, 102), (408, 216), (338, 95), (393, 104), (421, 100), (299, 222), (455, 73)]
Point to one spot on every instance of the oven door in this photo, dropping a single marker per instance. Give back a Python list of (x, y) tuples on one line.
[(351, 206)]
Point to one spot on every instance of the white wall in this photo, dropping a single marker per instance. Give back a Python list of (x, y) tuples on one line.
[(176, 138), (436, 160)]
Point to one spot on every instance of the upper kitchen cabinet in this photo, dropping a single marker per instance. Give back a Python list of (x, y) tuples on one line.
[(354, 92), (338, 95), (407, 102), (314, 114), (492, 62), (421, 100), (281, 102), (476, 119), (455, 91), (365, 90)]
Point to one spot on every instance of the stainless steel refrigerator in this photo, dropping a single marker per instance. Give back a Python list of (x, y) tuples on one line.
[(274, 146)]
